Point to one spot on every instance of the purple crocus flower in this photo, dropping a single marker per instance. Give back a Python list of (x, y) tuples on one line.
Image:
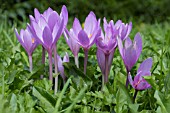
[(70, 38), (47, 28), (106, 45), (86, 37), (60, 65), (28, 42), (130, 52), (139, 82)]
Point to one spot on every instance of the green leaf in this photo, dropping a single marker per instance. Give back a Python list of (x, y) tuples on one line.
[(13, 103), (46, 99)]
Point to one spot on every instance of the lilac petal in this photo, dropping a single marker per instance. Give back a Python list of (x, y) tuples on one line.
[(36, 14), (18, 37), (120, 46), (42, 22), (129, 28), (128, 43), (47, 38), (118, 24), (96, 34), (53, 19), (27, 40), (74, 46), (60, 67), (101, 60), (130, 80), (66, 58), (64, 13), (138, 44), (31, 18), (112, 44), (145, 66), (38, 31), (105, 24), (83, 39), (47, 13), (110, 59), (130, 57), (100, 44), (143, 84), (59, 31), (76, 26), (90, 23)]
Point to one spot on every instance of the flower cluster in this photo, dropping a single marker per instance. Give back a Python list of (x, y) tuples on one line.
[(46, 28)]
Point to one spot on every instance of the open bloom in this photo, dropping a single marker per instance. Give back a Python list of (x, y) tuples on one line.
[(27, 40), (49, 26), (60, 65), (86, 37), (130, 52), (139, 82)]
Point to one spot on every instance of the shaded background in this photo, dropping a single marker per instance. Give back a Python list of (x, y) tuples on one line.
[(148, 11)]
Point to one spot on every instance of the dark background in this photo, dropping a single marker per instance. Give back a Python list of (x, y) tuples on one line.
[(148, 11)]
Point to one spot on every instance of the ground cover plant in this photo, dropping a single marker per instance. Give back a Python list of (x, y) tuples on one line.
[(103, 70)]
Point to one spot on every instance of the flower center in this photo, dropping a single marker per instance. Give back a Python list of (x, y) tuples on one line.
[(33, 40), (90, 35)]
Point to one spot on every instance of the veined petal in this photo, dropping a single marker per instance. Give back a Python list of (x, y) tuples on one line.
[(18, 37), (83, 39), (110, 60), (76, 26), (138, 44), (60, 67), (128, 43), (101, 60), (38, 31), (47, 37), (36, 14), (145, 66), (64, 13), (27, 40), (105, 24), (120, 46), (130, 80), (90, 23), (53, 19), (130, 57)]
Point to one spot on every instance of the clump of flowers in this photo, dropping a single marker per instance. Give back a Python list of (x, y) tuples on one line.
[(46, 29)]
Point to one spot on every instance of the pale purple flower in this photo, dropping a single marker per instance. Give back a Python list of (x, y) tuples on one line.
[(130, 51), (86, 37), (28, 42), (60, 65), (106, 44), (47, 28), (26, 39), (139, 83)]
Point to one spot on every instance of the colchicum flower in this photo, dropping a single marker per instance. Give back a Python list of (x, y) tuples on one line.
[(47, 28), (60, 65), (86, 37), (70, 37), (130, 52), (106, 45), (139, 82), (28, 42)]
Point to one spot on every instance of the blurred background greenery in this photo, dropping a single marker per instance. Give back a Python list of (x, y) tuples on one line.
[(147, 11)]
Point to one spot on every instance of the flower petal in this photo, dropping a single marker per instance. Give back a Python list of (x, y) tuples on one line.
[(64, 13), (130, 80), (66, 58), (90, 23), (53, 19), (101, 60), (145, 66), (83, 39), (128, 43), (36, 14), (76, 26), (138, 44), (47, 37), (120, 46)]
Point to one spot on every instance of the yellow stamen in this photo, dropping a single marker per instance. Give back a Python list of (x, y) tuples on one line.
[(33, 40), (90, 36)]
